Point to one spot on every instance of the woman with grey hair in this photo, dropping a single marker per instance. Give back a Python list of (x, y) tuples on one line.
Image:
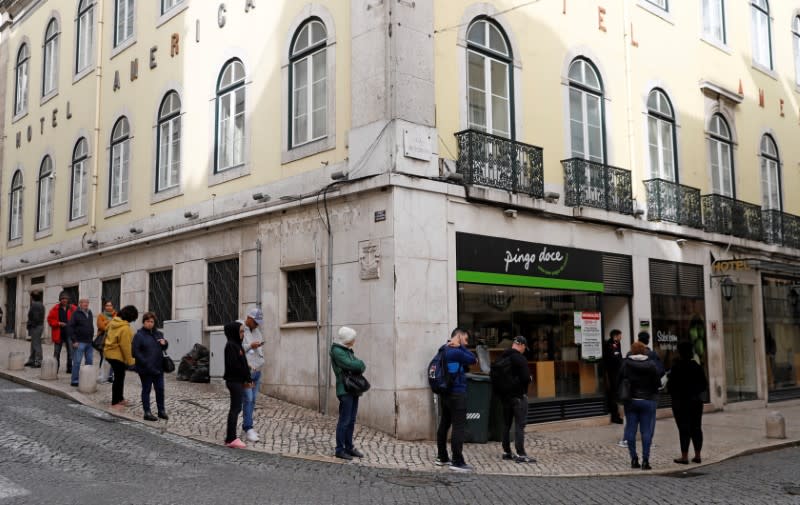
[(343, 358)]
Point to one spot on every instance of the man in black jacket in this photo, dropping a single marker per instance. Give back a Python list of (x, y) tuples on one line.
[(612, 361), (515, 406), (81, 328), (35, 328)]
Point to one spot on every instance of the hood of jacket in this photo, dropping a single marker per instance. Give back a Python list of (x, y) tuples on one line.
[(232, 332), (117, 323)]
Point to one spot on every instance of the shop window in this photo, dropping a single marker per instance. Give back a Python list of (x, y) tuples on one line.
[(782, 336), (301, 295), (223, 292), (159, 296)]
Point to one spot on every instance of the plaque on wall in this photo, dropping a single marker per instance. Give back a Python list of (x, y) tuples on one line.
[(369, 259)]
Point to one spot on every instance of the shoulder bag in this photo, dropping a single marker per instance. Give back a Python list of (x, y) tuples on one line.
[(355, 383), (99, 341), (166, 363)]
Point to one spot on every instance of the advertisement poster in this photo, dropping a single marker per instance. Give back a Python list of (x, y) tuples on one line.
[(592, 336)]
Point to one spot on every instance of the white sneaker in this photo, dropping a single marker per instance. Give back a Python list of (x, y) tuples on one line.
[(251, 435), (623, 443)]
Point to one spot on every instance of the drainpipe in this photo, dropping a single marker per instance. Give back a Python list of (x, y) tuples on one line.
[(258, 273), (98, 77), (627, 40), (329, 336)]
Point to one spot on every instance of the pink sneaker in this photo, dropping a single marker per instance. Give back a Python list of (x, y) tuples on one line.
[(236, 444)]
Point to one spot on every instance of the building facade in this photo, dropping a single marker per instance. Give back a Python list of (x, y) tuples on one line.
[(553, 169)]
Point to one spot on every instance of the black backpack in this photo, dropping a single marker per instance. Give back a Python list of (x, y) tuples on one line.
[(504, 381), (439, 378)]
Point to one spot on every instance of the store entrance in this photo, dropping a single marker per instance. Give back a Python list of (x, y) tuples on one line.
[(740, 365)]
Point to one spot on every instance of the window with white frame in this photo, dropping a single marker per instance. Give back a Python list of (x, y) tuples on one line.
[(21, 88), (79, 180), (489, 79), (661, 136), (720, 147), (15, 207), (230, 116), (85, 38), (796, 48), (762, 36), (586, 111), (168, 163), (714, 20), (120, 159), (309, 78), (168, 5), (50, 70), (770, 174), (663, 4), (124, 11), (44, 207)]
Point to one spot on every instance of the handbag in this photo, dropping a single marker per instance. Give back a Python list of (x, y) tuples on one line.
[(166, 363), (624, 390), (355, 383), (99, 341)]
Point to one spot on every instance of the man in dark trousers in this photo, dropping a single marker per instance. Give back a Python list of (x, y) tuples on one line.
[(612, 361), (454, 403), (35, 328), (81, 330), (515, 406)]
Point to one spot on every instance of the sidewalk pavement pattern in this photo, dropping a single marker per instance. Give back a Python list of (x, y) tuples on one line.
[(199, 411)]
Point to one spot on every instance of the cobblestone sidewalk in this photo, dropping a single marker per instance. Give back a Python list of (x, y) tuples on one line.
[(581, 448)]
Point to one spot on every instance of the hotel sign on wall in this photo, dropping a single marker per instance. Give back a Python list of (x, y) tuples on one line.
[(492, 260)]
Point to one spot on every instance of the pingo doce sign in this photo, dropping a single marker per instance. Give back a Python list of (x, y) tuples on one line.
[(545, 257)]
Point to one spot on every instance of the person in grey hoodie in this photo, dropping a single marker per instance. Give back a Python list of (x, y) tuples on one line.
[(642, 375)]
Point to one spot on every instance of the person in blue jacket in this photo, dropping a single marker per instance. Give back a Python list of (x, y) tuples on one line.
[(148, 346), (454, 402)]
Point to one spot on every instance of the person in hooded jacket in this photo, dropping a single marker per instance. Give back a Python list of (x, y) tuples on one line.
[(643, 376), (237, 379), (148, 346), (118, 351), (687, 383), (343, 358)]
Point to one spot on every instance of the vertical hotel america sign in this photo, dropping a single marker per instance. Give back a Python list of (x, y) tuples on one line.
[(490, 260)]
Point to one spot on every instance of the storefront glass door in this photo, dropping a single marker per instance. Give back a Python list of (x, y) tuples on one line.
[(782, 336), (740, 364)]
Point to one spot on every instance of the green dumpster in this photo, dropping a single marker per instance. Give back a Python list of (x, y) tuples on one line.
[(496, 421), (479, 397)]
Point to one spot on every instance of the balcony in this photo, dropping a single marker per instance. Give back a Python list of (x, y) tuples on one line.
[(497, 162), (676, 203), (781, 228), (722, 214), (592, 184)]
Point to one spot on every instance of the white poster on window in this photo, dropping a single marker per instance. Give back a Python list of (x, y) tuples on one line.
[(592, 336), (576, 327)]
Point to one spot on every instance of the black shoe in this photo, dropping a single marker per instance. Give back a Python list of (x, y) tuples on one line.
[(69, 370), (524, 459), (163, 415), (150, 417), (508, 456), (441, 462), (618, 420), (74, 385), (344, 455), (29, 363), (37, 364), (355, 453), (635, 463), (646, 465)]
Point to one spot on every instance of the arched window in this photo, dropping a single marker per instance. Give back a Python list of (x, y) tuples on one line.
[(309, 81), (85, 45), (796, 48), (50, 70), (770, 174), (15, 207), (44, 207), (661, 136), (124, 11), (21, 95), (489, 79), (586, 112), (720, 147), (80, 180), (120, 158), (762, 33), (230, 116), (168, 163)]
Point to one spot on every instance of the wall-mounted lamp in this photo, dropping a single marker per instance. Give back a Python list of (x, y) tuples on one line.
[(726, 284), (680, 241), (512, 213), (620, 232), (261, 197), (339, 175), (135, 230), (55, 252), (551, 197), (191, 215), (23, 260)]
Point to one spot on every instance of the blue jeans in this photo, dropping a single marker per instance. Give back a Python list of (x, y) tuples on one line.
[(641, 414), (148, 381), (249, 401), (83, 349), (348, 410)]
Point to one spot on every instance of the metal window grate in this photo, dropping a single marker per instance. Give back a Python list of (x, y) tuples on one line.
[(676, 279), (112, 290), (73, 294), (159, 296), (223, 291), (38, 280), (617, 274), (301, 295)]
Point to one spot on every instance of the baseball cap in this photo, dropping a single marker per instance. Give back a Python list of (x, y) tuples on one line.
[(519, 339), (256, 315)]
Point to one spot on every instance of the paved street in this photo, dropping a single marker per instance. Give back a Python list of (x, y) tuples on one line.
[(53, 451)]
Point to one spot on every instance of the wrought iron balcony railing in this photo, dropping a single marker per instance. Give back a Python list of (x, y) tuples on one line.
[(726, 215), (781, 228), (592, 184), (497, 162), (669, 201)]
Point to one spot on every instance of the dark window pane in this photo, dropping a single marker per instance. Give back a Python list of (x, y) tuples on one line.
[(72, 293), (159, 298), (111, 291), (301, 295), (223, 291)]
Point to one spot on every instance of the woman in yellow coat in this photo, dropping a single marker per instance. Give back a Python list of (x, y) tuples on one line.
[(118, 350)]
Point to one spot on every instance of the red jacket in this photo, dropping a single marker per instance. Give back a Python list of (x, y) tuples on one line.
[(52, 320)]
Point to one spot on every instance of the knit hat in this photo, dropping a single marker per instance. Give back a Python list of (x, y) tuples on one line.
[(346, 335)]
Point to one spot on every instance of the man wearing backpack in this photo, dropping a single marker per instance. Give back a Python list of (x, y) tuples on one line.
[(454, 402), (510, 378)]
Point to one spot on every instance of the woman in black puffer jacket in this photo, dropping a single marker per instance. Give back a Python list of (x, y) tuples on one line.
[(640, 408), (148, 346)]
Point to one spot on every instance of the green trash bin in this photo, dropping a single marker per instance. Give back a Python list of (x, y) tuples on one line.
[(496, 421), (479, 398)]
